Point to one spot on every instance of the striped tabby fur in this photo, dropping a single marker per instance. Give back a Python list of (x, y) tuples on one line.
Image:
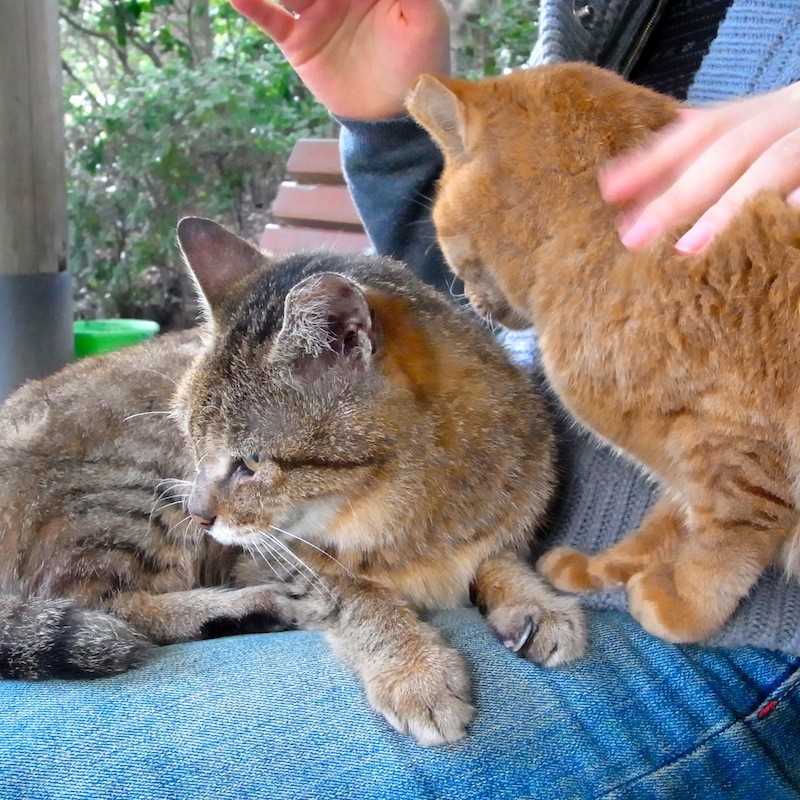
[(338, 449)]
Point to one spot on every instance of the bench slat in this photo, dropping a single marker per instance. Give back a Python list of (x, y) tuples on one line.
[(315, 161), (329, 206), (284, 239), (313, 208)]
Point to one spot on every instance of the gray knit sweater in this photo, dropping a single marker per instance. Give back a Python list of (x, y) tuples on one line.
[(392, 168)]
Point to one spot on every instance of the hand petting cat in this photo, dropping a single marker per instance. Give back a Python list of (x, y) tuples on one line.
[(359, 58), (704, 167)]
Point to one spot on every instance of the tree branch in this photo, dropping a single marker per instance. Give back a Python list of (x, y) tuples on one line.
[(84, 88), (109, 40)]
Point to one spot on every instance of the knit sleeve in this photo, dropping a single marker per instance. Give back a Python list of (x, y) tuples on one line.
[(391, 168)]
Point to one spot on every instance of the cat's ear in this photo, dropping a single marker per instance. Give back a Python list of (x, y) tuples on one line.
[(439, 110), (327, 324), (217, 258)]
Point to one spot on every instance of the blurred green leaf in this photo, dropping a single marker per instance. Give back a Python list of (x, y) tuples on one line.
[(159, 141)]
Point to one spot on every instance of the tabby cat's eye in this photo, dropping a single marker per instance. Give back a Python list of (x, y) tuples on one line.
[(251, 462)]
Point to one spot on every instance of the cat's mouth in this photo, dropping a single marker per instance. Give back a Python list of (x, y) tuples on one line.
[(228, 534), (497, 312), (304, 522)]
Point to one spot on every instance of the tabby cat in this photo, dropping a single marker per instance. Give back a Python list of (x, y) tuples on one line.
[(357, 449), (689, 365)]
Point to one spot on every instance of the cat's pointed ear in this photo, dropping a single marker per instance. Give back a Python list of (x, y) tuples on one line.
[(217, 258), (441, 112), (327, 324)]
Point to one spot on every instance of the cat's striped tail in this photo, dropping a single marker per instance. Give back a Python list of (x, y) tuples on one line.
[(49, 638)]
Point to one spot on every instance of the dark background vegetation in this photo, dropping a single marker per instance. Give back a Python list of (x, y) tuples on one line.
[(178, 107)]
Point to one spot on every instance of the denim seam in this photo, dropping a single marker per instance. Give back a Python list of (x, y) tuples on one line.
[(786, 686)]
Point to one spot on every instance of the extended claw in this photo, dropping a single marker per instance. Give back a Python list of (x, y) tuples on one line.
[(524, 637)]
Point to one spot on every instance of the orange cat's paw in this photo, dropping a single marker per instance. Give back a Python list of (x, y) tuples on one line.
[(610, 570), (654, 602), (568, 570)]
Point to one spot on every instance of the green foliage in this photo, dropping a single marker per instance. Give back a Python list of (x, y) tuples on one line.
[(178, 107), (151, 139), (175, 140), (498, 36)]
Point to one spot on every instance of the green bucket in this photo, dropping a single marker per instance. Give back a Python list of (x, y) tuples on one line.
[(93, 336)]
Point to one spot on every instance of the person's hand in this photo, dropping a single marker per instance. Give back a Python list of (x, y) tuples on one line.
[(704, 167), (359, 58)]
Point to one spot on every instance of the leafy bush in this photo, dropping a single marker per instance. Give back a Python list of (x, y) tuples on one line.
[(178, 107), (493, 36), (170, 137)]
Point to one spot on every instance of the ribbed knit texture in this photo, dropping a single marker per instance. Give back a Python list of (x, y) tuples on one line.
[(757, 49), (392, 166), (676, 47)]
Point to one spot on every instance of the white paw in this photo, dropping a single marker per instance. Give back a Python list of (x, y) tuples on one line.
[(428, 697)]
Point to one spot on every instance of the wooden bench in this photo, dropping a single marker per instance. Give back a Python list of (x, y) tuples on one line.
[(313, 207)]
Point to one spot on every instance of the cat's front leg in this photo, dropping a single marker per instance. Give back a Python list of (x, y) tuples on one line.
[(200, 613), (409, 675), (526, 614)]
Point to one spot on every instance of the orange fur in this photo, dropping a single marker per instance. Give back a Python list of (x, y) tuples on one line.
[(690, 366)]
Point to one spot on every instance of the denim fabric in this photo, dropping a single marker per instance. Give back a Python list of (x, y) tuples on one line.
[(278, 717)]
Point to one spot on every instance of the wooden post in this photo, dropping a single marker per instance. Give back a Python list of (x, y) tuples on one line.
[(35, 294)]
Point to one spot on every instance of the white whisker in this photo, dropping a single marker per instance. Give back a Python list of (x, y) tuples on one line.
[(312, 574), (174, 481), (185, 535), (265, 558), (269, 542), (146, 414), (160, 375), (313, 546)]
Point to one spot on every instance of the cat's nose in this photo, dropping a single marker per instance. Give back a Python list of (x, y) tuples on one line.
[(203, 521), (201, 513)]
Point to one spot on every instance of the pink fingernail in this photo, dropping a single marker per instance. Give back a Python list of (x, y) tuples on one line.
[(640, 234), (695, 240), (794, 198)]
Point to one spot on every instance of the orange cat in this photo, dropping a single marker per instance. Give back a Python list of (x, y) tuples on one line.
[(690, 365)]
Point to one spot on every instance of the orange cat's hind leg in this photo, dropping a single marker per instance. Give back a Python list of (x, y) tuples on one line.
[(572, 571), (729, 542), (654, 601)]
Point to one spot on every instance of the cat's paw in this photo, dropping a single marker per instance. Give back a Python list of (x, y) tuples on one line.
[(428, 697), (654, 602), (547, 635), (567, 569)]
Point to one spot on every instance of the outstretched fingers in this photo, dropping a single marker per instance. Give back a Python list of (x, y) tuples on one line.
[(778, 169), (704, 167), (651, 169), (275, 20)]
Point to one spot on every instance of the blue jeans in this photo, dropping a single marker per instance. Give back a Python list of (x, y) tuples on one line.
[(277, 716)]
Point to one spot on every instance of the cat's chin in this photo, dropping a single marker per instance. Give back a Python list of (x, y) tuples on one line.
[(228, 534), (502, 314), (305, 522), (511, 322), (516, 323)]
